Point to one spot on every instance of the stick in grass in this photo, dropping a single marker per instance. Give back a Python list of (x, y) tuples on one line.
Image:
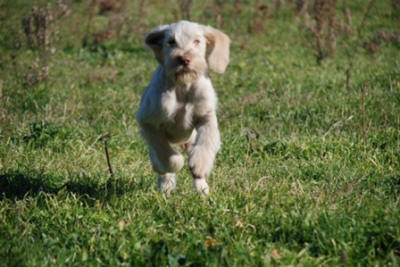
[(105, 138)]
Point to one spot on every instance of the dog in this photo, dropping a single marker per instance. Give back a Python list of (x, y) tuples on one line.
[(179, 105)]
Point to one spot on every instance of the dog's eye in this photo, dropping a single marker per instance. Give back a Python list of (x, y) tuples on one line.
[(196, 42), (171, 42)]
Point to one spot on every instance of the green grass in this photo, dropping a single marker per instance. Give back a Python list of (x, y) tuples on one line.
[(293, 184)]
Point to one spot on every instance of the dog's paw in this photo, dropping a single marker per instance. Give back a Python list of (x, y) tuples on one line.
[(166, 182), (201, 185)]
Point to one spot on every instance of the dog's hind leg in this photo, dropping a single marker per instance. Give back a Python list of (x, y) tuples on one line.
[(166, 182), (165, 160)]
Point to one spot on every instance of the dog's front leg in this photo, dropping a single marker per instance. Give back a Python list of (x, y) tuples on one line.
[(202, 154)]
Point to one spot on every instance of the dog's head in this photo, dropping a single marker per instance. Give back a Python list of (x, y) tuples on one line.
[(186, 50)]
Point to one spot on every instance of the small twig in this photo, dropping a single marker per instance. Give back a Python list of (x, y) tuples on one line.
[(348, 77), (105, 138)]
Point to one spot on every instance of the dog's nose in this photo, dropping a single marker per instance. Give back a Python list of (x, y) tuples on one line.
[(184, 60)]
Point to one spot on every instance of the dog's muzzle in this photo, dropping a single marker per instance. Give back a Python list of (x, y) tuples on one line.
[(185, 76)]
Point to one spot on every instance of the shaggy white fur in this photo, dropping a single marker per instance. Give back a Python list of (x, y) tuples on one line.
[(179, 105)]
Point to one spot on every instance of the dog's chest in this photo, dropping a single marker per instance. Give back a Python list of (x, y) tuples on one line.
[(179, 110)]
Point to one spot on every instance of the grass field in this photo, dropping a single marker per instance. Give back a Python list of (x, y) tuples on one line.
[(309, 169)]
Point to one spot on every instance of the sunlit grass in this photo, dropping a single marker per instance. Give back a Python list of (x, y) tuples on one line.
[(293, 184)]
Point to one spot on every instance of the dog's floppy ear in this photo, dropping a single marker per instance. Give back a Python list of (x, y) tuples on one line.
[(154, 40), (218, 49)]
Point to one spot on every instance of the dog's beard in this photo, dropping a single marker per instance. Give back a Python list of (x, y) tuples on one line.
[(186, 76)]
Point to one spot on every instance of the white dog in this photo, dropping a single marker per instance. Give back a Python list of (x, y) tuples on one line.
[(179, 105)]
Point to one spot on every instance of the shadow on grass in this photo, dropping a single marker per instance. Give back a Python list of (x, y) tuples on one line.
[(18, 184)]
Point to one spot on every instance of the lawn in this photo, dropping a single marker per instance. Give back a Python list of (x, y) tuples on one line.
[(309, 169)]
